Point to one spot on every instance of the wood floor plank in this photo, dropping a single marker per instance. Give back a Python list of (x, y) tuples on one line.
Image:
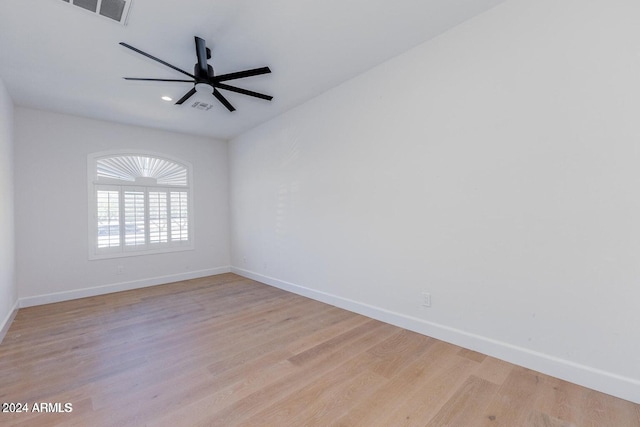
[(321, 363), (541, 419), (467, 405), (473, 355), (494, 370), (398, 351), (599, 409), (329, 331), (514, 401), (327, 347), (339, 400), (225, 350), (424, 401), (390, 403), (295, 409), (559, 400), (203, 410), (238, 401)]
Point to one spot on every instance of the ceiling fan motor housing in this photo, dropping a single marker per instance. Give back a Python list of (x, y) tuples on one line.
[(198, 74)]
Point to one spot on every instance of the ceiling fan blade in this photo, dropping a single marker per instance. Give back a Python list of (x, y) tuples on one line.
[(243, 91), (223, 100), (186, 96), (157, 59), (158, 80), (201, 52), (242, 74)]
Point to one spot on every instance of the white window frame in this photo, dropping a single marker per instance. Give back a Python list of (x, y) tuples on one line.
[(95, 184)]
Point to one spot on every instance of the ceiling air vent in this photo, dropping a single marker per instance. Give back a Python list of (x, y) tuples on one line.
[(116, 10)]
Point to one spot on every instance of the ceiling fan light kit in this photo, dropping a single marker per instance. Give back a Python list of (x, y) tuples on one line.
[(204, 88), (203, 78)]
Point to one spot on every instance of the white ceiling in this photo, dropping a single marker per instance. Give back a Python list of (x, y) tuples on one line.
[(58, 57)]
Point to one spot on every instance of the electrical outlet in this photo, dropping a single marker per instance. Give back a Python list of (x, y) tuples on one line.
[(426, 299), (120, 269)]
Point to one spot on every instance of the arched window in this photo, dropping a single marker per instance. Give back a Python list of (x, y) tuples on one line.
[(139, 203)]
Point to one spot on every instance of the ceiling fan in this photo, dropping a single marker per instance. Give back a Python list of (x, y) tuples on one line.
[(203, 78)]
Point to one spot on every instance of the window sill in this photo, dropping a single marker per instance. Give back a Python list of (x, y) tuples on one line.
[(132, 253)]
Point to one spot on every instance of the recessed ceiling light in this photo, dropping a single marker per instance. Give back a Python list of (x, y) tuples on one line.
[(167, 98)]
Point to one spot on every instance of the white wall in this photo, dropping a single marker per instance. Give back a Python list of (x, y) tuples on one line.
[(8, 290), (52, 211), (496, 167)]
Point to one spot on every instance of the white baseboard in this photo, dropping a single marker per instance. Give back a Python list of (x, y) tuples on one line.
[(117, 287), (606, 382), (6, 323)]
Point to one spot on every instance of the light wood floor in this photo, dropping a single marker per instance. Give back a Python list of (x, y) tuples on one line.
[(228, 351)]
